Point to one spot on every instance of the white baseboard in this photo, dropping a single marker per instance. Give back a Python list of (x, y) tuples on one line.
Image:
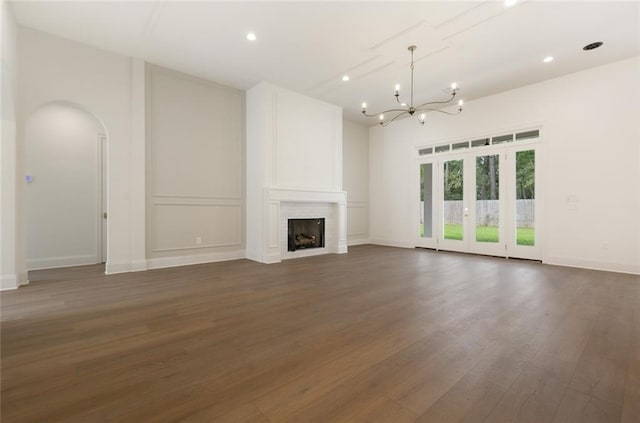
[(55, 262), (114, 268), (159, 263), (8, 282), (358, 241), (389, 243), (253, 256), (139, 265), (271, 258), (633, 269)]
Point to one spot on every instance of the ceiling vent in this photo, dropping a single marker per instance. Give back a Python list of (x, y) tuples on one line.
[(592, 46)]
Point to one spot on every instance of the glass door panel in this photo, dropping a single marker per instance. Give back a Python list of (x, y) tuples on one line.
[(426, 200), (525, 197), (453, 207), (426, 228), (524, 203), (487, 208)]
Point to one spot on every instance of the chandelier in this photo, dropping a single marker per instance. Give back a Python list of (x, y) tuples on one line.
[(409, 109)]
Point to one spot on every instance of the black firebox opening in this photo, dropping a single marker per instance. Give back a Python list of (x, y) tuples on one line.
[(306, 233)]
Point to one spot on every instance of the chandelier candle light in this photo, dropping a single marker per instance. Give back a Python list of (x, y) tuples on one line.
[(410, 109)]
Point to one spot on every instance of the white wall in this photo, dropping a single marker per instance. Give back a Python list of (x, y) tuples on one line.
[(51, 69), (591, 138), (11, 275), (63, 203), (307, 151), (195, 151), (355, 179)]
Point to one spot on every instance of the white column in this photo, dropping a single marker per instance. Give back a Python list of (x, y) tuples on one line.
[(342, 227), (8, 278), (138, 166)]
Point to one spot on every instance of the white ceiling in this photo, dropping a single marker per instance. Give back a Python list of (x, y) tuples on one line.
[(307, 46)]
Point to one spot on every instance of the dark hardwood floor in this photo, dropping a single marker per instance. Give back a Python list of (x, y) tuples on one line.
[(376, 335)]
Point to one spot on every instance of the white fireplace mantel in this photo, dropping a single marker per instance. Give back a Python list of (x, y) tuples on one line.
[(305, 196), (284, 204)]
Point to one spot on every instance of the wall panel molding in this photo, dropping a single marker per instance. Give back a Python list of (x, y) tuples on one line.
[(195, 167)]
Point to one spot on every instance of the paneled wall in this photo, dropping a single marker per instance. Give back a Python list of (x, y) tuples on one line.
[(355, 153), (195, 172)]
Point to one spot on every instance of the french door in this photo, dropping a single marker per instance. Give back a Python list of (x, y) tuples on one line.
[(481, 201)]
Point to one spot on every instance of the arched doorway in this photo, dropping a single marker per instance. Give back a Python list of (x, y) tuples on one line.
[(65, 164)]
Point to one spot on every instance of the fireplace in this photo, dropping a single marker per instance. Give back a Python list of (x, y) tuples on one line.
[(305, 233)]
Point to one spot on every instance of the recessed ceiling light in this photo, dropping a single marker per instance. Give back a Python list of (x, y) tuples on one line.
[(345, 78), (403, 104), (251, 36), (509, 3), (548, 59), (592, 46)]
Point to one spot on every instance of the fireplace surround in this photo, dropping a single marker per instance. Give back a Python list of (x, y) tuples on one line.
[(294, 171)]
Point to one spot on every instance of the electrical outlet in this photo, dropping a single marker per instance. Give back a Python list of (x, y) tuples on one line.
[(198, 240)]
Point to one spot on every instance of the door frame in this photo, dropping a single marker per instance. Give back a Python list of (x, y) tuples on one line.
[(489, 248), (514, 250), (102, 226), (461, 246), (424, 242)]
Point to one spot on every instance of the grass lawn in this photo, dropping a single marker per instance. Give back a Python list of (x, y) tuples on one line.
[(452, 231), (524, 236)]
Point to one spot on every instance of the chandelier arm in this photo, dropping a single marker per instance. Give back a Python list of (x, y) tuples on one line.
[(437, 102), (385, 111), (427, 109), (394, 118)]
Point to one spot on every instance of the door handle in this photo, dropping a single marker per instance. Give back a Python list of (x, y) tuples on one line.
[(104, 215)]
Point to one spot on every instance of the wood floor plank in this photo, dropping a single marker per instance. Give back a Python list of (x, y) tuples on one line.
[(579, 407), (631, 404), (471, 399), (377, 335)]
